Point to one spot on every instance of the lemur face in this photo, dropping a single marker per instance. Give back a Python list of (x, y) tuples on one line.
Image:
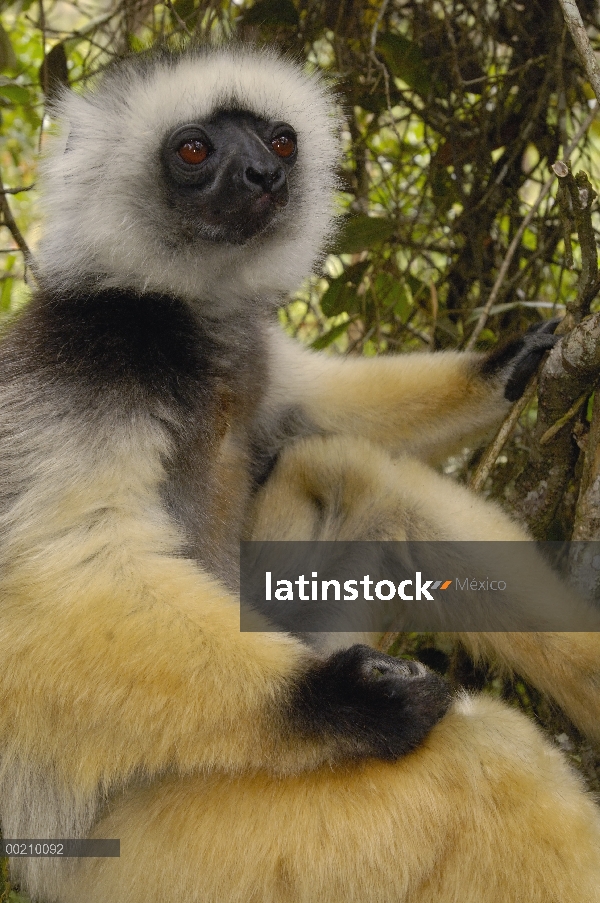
[(208, 175), (228, 177)]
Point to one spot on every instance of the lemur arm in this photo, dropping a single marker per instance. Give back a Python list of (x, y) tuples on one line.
[(426, 405)]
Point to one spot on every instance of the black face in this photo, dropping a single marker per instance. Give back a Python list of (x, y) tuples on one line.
[(227, 177)]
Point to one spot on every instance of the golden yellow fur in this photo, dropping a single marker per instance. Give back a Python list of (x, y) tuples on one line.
[(484, 812)]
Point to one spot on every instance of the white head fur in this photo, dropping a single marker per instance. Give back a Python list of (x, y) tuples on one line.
[(103, 206)]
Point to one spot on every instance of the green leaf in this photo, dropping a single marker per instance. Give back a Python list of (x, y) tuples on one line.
[(417, 288), (334, 333), (184, 9), (487, 339), (443, 189), (376, 101), (14, 897), (8, 59), (137, 44), (15, 93), (405, 61), (340, 296), (359, 233), (5, 293), (590, 407), (391, 292), (272, 12)]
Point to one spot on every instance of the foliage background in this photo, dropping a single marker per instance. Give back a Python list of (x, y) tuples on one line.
[(453, 112)]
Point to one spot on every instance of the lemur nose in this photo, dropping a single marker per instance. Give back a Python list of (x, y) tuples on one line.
[(268, 179)]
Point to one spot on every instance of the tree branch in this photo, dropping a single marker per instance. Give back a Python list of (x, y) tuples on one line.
[(576, 197), (571, 371), (582, 43)]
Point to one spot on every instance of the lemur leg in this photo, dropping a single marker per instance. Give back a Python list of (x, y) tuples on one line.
[(347, 489), (485, 811)]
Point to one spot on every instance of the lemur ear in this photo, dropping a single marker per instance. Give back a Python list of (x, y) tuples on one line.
[(518, 359)]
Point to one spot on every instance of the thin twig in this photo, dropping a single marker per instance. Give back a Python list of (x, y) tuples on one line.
[(491, 453), (18, 190), (174, 12), (82, 32), (500, 76), (383, 69), (562, 421), (483, 317), (8, 220), (373, 42)]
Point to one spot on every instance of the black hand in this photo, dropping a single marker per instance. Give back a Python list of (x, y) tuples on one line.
[(370, 703), (519, 359)]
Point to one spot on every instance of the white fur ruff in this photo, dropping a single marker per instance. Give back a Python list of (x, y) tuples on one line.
[(102, 194)]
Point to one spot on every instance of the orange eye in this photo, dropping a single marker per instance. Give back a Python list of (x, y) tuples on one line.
[(283, 145), (193, 151)]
